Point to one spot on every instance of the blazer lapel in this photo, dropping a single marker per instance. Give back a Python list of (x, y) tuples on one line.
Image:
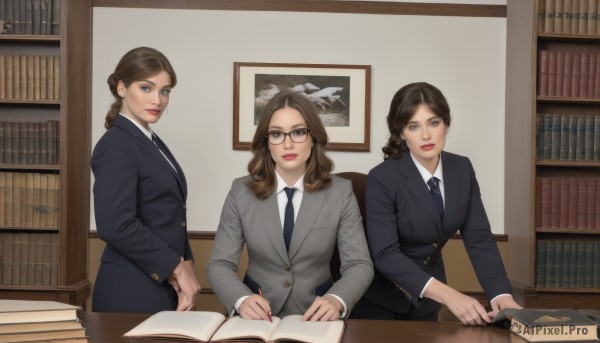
[(268, 212), (177, 172), (311, 204), (415, 185), (451, 187)]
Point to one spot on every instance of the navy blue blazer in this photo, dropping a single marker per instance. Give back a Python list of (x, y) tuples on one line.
[(139, 203), (406, 235)]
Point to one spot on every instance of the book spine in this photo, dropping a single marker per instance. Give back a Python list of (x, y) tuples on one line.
[(591, 204), (573, 203), (555, 138), (564, 203), (558, 16), (588, 280), (550, 263), (589, 139), (564, 138), (55, 25), (547, 147), (596, 268), (582, 203), (558, 264), (567, 15), (552, 70), (546, 202), (580, 150), (555, 203), (538, 202), (573, 267), (549, 16), (583, 11), (585, 74), (576, 77), (596, 148), (540, 273), (592, 17), (544, 61), (541, 15), (560, 73), (568, 74), (581, 251), (566, 264), (592, 76)]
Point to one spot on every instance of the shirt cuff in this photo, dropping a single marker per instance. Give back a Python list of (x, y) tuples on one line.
[(500, 295), (425, 287), (343, 314), (236, 307)]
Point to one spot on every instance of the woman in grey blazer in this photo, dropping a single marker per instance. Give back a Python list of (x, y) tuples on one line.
[(139, 197), (413, 207), (291, 213)]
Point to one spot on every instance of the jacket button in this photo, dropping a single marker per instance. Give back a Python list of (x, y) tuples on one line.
[(435, 245), (286, 284), (287, 268), (154, 277), (182, 224)]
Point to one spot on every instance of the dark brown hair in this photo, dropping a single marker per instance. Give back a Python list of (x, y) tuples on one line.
[(262, 166), (137, 64), (403, 107)]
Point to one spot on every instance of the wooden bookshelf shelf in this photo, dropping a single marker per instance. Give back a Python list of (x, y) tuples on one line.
[(45, 219), (552, 108)]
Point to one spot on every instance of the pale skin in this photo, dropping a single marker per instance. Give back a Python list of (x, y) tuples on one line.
[(425, 136), (144, 101), (290, 162)]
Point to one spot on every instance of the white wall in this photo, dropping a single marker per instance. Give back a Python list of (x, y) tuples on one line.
[(463, 56)]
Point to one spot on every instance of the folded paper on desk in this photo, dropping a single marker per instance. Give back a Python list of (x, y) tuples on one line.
[(213, 326), (550, 325)]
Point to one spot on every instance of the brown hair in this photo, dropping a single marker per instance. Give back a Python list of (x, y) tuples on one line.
[(403, 107), (137, 64), (262, 166)]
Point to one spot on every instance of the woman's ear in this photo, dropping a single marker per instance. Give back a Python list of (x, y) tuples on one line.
[(121, 89)]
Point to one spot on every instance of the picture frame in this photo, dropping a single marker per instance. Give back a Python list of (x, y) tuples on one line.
[(342, 93)]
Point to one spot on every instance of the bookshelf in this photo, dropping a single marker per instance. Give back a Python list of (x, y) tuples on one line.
[(44, 147), (552, 152)]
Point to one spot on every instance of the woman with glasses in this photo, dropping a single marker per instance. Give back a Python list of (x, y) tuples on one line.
[(291, 213)]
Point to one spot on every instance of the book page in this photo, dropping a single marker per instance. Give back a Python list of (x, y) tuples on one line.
[(291, 327), (237, 327), (198, 325), (30, 305)]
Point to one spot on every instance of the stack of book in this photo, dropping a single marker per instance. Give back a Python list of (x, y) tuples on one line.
[(30, 17), (31, 321), (576, 17), (24, 77)]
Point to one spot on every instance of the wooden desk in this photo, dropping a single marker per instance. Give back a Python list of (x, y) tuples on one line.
[(109, 327)]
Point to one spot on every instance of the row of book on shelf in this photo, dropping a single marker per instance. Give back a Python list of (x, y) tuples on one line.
[(569, 17), (30, 17), (29, 258), (29, 200), (569, 74), (40, 321), (29, 142), (567, 264), (562, 137), (28, 77), (567, 203)]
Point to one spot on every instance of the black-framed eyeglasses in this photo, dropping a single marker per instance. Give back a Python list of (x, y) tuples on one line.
[(276, 137)]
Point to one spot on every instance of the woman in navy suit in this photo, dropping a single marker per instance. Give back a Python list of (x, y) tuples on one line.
[(417, 199), (139, 197)]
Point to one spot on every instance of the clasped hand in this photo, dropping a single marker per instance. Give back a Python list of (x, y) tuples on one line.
[(184, 281)]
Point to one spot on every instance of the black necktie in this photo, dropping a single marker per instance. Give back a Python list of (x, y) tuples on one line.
[(434, 189), (288, 222)]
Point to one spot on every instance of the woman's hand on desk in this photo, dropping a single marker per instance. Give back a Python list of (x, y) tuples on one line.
[(186, 285), (467, 309), (255, 307), (324, 308)]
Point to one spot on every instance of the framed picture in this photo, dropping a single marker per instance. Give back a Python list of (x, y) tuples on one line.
[(342, 94)]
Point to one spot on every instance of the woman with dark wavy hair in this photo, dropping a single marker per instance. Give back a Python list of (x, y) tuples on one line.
[(139, 196), (417, 199), (291, 213)]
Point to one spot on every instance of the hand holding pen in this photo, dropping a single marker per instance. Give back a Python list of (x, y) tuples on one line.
[(256, 307), (269, 310)]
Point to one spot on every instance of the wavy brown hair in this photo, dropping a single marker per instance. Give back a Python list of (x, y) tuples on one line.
[(403, 107), (136, 65), (262, 167)]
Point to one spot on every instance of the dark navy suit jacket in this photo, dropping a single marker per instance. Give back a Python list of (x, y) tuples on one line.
[(139, 202), (406, 235)]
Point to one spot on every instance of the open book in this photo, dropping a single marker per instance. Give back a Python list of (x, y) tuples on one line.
[(205, 326)]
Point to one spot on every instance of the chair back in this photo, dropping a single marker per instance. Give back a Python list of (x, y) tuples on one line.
[(359, 185)]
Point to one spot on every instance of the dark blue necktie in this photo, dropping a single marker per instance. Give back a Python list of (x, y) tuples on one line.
[(434, 189), (288, 222)]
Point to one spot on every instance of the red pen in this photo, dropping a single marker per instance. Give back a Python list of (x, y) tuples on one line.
[(268, 313)]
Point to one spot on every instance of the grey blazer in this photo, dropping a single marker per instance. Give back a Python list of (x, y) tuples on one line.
[(290, 281)]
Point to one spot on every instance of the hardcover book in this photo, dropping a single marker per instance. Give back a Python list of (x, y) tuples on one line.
[(550, 325)]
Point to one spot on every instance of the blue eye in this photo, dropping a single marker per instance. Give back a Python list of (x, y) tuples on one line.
[(275, 134), (165, 91), (435, 123), (413, 127), (145, 88), (300, 132)]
